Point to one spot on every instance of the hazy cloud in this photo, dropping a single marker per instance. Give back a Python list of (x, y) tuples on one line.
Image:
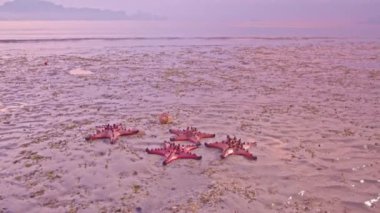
[(344, 11), (46, 10)]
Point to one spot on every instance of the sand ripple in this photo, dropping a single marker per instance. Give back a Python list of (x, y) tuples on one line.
[(311, 106)]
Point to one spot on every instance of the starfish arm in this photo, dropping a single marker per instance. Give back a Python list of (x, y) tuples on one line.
[(190, 148), (227, 152), (162, 152), (179, 138), (175, 131), (206, 135), (218, 145), (183, 155), (113, 140), (246, 154), (100, 135), (170, 158), (195, 140), (188, 155), (125, 132), (115, 135)]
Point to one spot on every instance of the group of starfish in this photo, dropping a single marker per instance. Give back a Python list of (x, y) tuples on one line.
[(172, 151)]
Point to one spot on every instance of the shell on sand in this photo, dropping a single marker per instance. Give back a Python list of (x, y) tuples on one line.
[(12, 107), (165, 118), (79, 71)]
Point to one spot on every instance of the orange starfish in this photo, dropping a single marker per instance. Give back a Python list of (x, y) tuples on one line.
[(190, 134), (112, 132), (172, 152), (232, 146)]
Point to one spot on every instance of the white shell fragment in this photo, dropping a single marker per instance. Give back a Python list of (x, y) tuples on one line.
[(371, 203), (79, 71)]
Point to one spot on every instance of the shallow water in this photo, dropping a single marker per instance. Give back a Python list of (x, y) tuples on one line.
[(311, 105)]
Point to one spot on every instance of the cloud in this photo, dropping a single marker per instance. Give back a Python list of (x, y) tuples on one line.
[(343, 11)]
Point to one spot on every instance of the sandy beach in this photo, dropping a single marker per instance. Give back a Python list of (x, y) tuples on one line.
[(311, 104)]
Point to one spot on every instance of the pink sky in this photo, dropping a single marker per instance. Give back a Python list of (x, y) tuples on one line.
[(355, 14), (344, 11)]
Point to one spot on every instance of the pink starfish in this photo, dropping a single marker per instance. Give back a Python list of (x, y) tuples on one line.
[(232, 146), (172, 152), (112, 132), (190, 134)]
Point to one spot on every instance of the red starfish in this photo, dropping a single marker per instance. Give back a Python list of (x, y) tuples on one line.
[(172, 152), (232, 146), (190, 134), (112, 132)]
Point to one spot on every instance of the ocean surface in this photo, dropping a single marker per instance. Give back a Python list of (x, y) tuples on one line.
[(15, 30), (310, 99)]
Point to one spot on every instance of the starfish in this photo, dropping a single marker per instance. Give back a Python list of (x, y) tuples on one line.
[(172, 152), (232, 146), (190, 134), (112, 132)]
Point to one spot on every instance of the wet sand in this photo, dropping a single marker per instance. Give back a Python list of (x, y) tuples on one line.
[(312, 107)]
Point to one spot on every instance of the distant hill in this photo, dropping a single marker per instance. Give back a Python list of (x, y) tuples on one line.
[(43, 10)]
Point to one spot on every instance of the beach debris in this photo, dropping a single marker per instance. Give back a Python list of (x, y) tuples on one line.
[(290, 198), (46, 63), (233, 146), (371, 203), (190, 134), (79, 71), (112, 132), (359, 167), (136, 188), (165, 118), (10, 108), (172, 152), (138, 209)]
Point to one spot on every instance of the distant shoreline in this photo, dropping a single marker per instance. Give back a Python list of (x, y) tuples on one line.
[(161, 38), (40, 10)]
